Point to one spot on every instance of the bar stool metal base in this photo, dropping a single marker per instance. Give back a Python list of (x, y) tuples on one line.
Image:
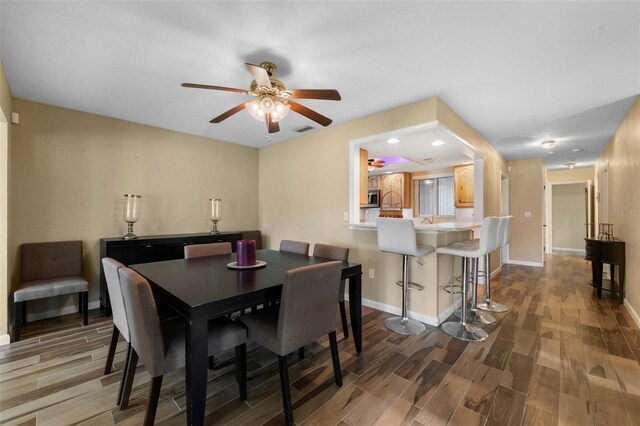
[(475, 317), (491, 306), (404, 325), (464, 331)]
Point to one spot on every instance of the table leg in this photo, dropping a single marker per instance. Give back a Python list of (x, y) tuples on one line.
[(355, 309), (597, 277), (196, 371)]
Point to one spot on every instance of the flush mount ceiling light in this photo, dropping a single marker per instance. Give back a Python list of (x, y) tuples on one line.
[(576, 150), (548, 144), (272, 99), (393, 140), (437, 143)]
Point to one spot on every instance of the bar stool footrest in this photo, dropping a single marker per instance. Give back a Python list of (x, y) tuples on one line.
[(475, 317), (411, 286)]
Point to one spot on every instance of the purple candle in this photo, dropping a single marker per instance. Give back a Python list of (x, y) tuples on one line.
[(246, 250)]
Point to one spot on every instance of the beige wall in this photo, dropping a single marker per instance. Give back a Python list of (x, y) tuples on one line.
[(304, 191), (5, 138), (526, 186), (623, 157), (568, 216), (70, 170), (573, 175)]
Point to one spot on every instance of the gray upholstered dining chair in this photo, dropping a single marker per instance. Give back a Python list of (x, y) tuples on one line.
[(161, 346), (291, 246), (48, 270), (255, 236), (327, 251), (307, 311), (201, 250), (119, 315)]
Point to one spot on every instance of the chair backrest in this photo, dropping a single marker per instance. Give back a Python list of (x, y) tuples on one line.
[(489, 235), (506, 234), (327, 251), (111, 268), (255, 236), (50, 260), (144, 322), (291, 246), (397, 236), (202, 250), (308, 305)]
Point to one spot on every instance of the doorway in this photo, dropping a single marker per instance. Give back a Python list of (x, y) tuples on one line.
[(569, 216)]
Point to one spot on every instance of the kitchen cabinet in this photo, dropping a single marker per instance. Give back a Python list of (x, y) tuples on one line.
[(395, 190), (463, 181), (373, 182), (364, 173)]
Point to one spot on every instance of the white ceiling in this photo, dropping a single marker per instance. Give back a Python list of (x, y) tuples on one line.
[(517, 72)]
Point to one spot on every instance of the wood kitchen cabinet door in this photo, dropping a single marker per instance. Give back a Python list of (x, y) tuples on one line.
[(363, 176), (373, 182), (395, 190), (463, 179)]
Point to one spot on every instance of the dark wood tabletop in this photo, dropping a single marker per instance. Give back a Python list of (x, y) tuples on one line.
[(204, 288)]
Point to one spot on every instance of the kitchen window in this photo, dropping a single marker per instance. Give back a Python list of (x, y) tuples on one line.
[(435, 196)]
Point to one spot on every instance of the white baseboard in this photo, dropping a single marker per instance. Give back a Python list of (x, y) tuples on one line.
[(632, 312), (574, 250), (5, 339), (57, 312), (427, 319), (525, 263)]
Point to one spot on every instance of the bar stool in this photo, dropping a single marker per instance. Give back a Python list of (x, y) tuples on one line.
[(487, 243), (399, 236), (505, 236)]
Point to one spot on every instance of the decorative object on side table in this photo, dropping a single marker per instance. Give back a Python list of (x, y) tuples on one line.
[(605, 231), (214, 213), (131, 213)]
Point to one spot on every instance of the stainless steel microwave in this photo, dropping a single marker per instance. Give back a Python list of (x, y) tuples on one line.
[(373, 199)]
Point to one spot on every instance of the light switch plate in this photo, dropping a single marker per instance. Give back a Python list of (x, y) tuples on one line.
[(527, 214)]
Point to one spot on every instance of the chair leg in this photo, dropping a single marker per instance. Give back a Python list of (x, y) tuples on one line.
[(152, 403), (18, 309), (211, 363), (343, 315), (124, 375), (112, 350), (129, 374), (335, 358), (286, 391), (24, 312), (301, 352), (241, 370), (85, 307)]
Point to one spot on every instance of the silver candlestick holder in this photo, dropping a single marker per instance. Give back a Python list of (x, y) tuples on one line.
[(214, 213), (131, 214)]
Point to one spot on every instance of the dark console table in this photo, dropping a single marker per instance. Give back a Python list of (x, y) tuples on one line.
[(606, 251), (153, 249)]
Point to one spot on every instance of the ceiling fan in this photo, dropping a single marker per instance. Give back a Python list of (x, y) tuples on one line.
[(374, 163), (272, 99)]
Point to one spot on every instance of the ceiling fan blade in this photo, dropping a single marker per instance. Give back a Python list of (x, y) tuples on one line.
[(327, 95), (260, 75), (227, 114), (273, 126), (206, 86), (310, 114)]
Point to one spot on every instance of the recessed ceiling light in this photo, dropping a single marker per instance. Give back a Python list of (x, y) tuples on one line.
[(551, 152), (577, 150), (393, 140), (570, 165), (387, 173), (437, 143), (548, 144)]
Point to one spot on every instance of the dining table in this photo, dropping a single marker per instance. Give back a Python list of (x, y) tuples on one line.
[(204, 288)]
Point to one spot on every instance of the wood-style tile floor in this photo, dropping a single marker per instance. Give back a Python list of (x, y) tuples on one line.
[(559, 356)]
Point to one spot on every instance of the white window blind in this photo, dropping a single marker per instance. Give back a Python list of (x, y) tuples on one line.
[(436, 196)]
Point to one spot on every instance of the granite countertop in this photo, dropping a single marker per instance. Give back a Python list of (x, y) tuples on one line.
[(427, 228)]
